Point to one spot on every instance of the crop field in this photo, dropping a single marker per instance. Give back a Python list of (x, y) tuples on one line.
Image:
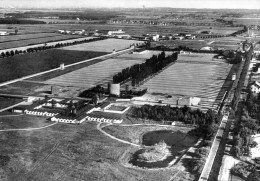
[(192, 75), (195, 44), (66, 152), (107, 45), (31, 63), (132, 29), (100, 73), (10, 38), (25, 40)]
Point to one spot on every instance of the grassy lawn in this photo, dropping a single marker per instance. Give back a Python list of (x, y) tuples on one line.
[(68, 152), (27, 64), (6, 102), (133, 133)]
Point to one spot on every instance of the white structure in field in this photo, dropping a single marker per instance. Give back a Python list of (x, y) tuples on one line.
[(190, 101), (3, 33), (156, 37), (207, 48), (255, 87), (113, 33)]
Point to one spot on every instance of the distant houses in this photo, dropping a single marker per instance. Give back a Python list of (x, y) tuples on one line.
[(77, 32), (255, 87), (111, 33)]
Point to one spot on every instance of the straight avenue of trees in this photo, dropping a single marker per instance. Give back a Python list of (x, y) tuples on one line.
[(139, 72)]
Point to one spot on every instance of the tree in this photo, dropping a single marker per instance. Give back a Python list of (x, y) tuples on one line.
[(95, 99), (12, 53), (16, 31), (253, 176), (3, 54), (7, 54)]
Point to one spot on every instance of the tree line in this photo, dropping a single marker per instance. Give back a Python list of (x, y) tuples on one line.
[(139, 72), (20, 21), (206, 123), (45, 47)]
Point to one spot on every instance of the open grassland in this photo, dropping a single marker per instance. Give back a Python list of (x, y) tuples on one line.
[(247, 21), (6, 102), (13, 41), (100, 73), (107, 45), (16, 121), (132, 29), (27, 64), (133, 133), (68, 152), (192, 75)]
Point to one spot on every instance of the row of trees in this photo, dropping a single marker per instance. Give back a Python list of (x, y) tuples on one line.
[(20, 21), (206, 122), (45, 47), (245, 29), (139, 72)]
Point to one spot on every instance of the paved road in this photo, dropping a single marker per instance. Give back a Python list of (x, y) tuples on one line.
[(213, 151)]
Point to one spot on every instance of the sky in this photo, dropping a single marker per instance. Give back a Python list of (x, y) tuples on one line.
[(214, 4)]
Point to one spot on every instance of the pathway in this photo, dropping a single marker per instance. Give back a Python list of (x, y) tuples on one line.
[(113, 137), (213, 151)]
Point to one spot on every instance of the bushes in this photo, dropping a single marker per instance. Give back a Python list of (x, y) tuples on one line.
[(242, 169), (4, 160)]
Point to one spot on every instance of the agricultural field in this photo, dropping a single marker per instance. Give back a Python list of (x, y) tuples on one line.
[(132, 29), (31, 63), (195, 75), (228, 43), (13, 41), (100, 73), (66, 152), (107, 45)]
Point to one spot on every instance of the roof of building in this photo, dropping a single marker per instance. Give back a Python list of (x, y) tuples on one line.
[(257, 84)]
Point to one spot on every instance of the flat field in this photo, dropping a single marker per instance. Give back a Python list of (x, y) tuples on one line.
[(67, 152), (90, 76), (195, 75), (13, 41), (132, 29), (30, 63), (107, 45), (100, 73)]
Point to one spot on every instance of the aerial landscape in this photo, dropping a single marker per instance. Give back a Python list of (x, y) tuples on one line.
[(139, 90)]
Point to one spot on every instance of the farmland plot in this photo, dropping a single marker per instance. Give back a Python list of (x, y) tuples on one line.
[(5, 44), (107, 45), (99, 73), (102, 72), (192, 75)]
